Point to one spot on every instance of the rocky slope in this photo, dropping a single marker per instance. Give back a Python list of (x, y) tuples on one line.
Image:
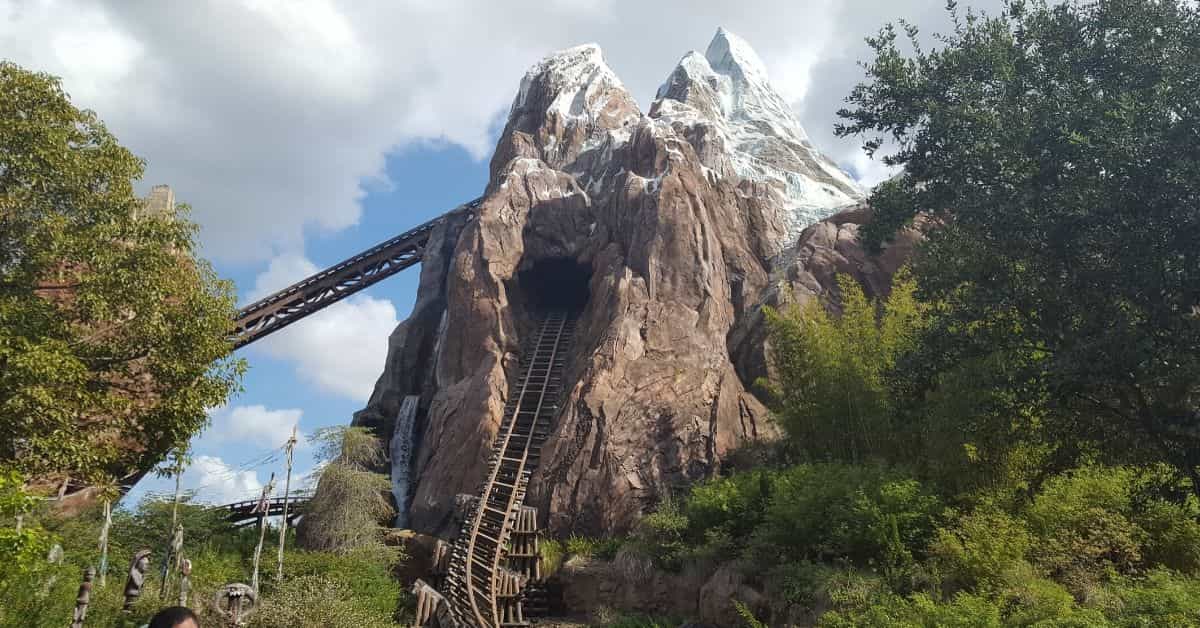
[(680, 223)]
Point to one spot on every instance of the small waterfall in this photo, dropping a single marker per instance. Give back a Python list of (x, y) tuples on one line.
[(401, 451)]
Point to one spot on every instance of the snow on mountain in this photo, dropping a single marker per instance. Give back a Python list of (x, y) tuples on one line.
[(757, 135), (580, 74)]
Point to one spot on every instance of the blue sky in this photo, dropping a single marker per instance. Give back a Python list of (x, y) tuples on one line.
[(426, 180), (303, 131)]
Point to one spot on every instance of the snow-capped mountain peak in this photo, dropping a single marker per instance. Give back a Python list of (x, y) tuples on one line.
[(728, 89), (730, 55)]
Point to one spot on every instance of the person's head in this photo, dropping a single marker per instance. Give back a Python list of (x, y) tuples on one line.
[(175, 617)]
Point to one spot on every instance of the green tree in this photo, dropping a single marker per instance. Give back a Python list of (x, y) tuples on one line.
[(1057, 149), (832, 393), (112, 333), (23, 546)]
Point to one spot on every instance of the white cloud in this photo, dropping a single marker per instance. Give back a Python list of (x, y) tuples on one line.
[(255, 425), (215, 482), (269, 115), (340, 349)]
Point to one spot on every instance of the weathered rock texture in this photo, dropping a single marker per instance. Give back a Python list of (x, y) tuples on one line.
[(682, 222)]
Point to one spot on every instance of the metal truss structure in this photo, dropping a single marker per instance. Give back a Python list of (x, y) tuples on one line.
[(335, 283)]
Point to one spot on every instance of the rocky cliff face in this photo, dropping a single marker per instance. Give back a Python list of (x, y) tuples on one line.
[(680, 223)]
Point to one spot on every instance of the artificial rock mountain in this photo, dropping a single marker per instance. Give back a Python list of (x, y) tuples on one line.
[(683, 222)]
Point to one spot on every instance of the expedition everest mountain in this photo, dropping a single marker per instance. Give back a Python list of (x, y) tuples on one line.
[(663, 233)]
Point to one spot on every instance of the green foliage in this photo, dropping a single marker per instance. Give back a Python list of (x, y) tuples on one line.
[(865, 516), (919, 611), (354, 447), (313, 601), (112, 334), (660, 536), (356, 588), (979, 549), (1161, 599), (1054, 147), (149, 525), (636, 621), (1085, 525), (553, 554), (333, 589), (587, 547), (351, 501), (832, 397), (747, 615), (20, 550), (730, 507)]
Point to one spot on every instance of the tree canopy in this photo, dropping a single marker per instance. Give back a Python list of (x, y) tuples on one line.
[(1057, 149), (112, 331)]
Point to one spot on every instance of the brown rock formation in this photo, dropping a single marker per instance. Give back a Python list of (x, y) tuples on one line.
[(678, 223)]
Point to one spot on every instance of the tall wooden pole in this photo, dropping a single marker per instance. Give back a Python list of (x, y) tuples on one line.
[(264, 509), (104, 541), (283, 522), (175, 504), (166, 568)]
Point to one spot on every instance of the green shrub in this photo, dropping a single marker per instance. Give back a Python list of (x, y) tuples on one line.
[(314, 601), (978, 549), (660, 536), (733, 505), (20, 551), (553, 554), (919, 611), (580, 546), (367, 572), (1083, 526), (1161, 599), (586, 547), (1030, 600), (868, 516), (798, 584), (1172, 536), (635, 621)]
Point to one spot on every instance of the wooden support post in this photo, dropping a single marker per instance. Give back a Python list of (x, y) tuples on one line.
[(283, 521), (104, 542), (263, 509), (180, 462)]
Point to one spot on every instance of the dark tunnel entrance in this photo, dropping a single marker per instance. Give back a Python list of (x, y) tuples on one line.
[(556, 284)]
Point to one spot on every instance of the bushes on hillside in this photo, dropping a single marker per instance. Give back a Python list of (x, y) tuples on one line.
[(868, 546), (865, 516)]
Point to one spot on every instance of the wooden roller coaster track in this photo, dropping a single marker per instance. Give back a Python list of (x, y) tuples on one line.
[(482, 592)]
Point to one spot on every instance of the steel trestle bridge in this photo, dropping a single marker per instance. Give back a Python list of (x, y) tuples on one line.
[(312, 294)]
